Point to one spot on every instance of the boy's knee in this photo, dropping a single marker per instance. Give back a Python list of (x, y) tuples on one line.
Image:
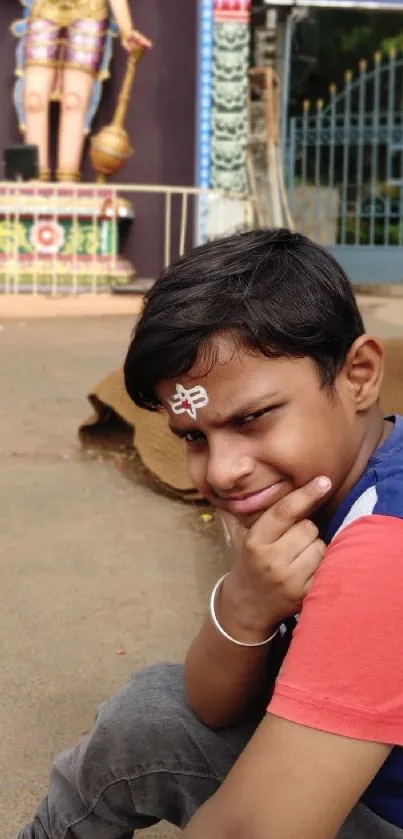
[(148, 710)]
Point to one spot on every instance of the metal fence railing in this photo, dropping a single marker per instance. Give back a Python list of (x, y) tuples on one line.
[(70, 238)]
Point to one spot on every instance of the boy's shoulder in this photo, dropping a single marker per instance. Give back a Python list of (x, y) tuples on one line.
[(380, 489), (383, 494)]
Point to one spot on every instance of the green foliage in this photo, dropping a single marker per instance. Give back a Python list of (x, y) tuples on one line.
[(385, 232), (328, 42), (395, 42)]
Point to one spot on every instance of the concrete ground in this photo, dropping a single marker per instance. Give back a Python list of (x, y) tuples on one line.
[(96, 570)]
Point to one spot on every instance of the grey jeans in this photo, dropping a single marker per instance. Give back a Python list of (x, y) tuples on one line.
[(149, 758)]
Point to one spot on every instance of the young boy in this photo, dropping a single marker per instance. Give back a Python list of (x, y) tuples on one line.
[(256, 349)]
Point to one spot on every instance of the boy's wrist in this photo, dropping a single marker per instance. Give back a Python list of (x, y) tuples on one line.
[(237, 620)]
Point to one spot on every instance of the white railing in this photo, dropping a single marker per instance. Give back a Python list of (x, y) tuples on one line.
[(64, 238)]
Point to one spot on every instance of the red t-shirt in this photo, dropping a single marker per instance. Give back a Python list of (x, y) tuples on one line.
[(344, 669)]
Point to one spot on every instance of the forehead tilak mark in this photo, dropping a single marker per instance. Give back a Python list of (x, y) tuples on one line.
[(188, 400)]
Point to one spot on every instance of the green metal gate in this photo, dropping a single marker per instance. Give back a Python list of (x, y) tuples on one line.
[(344, 171)]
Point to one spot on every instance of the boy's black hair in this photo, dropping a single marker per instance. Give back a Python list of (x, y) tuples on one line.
[(276, 291)]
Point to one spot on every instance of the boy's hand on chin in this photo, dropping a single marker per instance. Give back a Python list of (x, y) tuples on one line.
[(274, 564)]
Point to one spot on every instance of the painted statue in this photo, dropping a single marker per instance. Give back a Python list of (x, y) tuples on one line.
[(63, 53)]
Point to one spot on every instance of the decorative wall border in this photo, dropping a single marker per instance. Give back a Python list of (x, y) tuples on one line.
[(233, 10), (206, 52), (230, 94), (223, 101)]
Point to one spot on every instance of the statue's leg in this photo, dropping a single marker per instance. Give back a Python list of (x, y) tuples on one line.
[(82, 61), (42, 46), (76, 97)]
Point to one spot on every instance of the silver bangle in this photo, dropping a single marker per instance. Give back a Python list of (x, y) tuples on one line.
[(222, 631)]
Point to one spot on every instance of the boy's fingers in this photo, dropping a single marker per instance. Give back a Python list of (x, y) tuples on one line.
[(297, 539), (292, 508), (308, 562)]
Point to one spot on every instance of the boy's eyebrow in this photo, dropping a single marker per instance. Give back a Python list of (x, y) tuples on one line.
[(250, 407)]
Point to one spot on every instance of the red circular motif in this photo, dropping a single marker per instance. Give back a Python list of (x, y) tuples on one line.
[(46, 235)]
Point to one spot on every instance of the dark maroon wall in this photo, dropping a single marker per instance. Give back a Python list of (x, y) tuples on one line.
[(162, 115)]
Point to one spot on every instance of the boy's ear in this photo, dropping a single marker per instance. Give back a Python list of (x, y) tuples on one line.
[(363, 370)]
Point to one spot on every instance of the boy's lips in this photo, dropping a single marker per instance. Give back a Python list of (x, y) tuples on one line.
[(251, 502)]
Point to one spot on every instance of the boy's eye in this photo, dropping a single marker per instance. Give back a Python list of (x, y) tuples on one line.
[(249, 418), (192, 436), (257, 415)]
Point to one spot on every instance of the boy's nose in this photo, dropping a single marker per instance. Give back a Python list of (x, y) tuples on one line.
[(225, 472)]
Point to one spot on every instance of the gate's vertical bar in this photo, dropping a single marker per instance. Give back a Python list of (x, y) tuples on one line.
[(115, 233), (303, 214), (36, 199), (360, 148), (399, 132), (291, 163), (389, 135), (346, 154), (332, 137), (16, 249), (167, 226), (93, 199), (54, 201), (332, 153), (12, 232), (317, 176), (9, 242), (375, 146), (75, 197), (183, 223)]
